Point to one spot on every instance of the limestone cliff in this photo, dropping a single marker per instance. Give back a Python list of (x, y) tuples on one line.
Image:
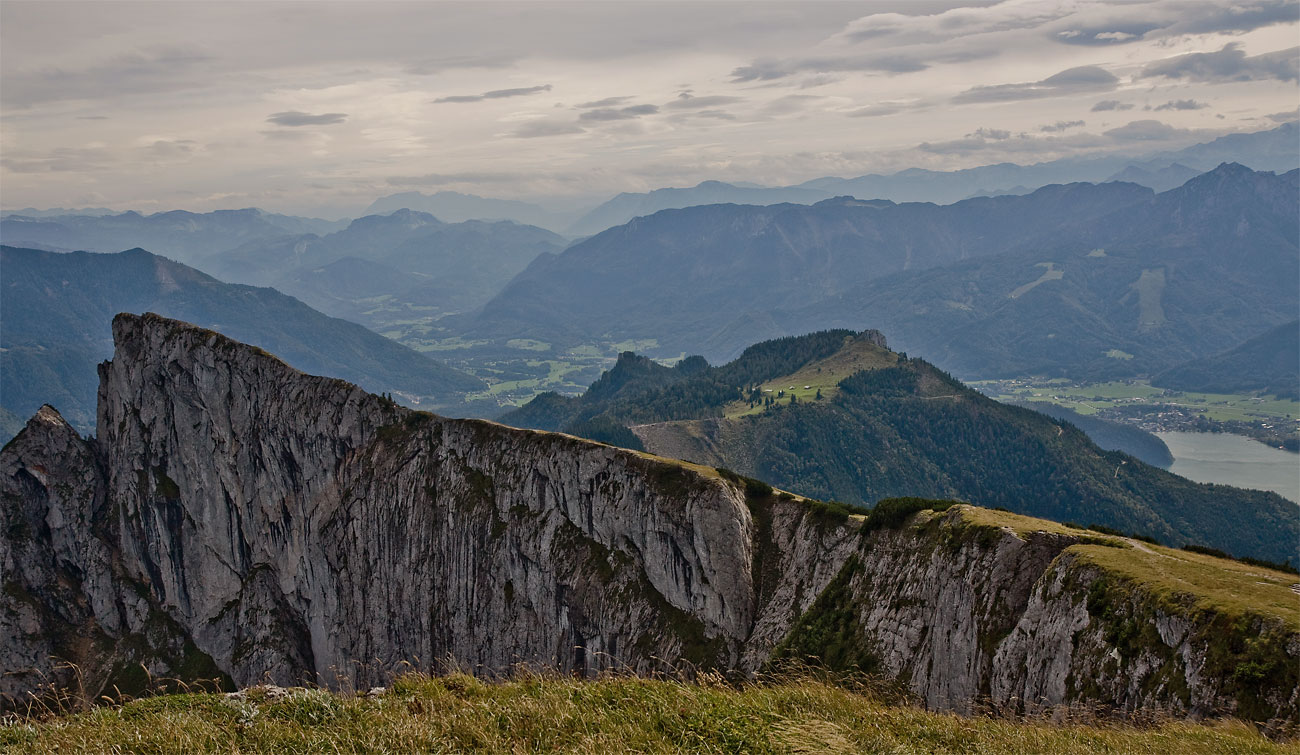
[(235, 518)]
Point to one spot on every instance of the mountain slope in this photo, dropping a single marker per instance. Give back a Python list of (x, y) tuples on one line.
[(677, 275), (1269, 362), (56, 309), (1108, 435), (399, 266), (1186, 273), (886, 425), (355, 538)]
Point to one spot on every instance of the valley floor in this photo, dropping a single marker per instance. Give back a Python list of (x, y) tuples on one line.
[(1268, 419), (616, 714)]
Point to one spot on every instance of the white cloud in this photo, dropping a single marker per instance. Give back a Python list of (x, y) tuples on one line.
[(1228, 64), (563, 100)]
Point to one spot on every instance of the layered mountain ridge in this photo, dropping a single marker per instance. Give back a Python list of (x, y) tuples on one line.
[(1081, 280), (56, 308), (235, 518), (1272, 149)]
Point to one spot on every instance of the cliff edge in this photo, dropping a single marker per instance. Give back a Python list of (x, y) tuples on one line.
[(234, 518)]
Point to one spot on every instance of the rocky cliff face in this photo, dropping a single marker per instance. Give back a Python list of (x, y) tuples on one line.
[(235, 518), (973, 612)]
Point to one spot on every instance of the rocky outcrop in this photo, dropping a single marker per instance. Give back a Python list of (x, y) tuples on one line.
[(234, 518), (970, 615)]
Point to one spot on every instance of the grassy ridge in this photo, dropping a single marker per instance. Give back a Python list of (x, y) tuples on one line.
[(1230, 587), (530, 714), (822, 376)]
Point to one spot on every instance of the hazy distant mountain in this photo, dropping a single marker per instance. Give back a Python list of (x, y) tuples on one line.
[(410, 260), (881, 424), (1269, 362), (1276, 150), (626, 206), (1186, 273), (1272, 150), (180, 235), (454, 207), (32, 212), (1085, 280), (1161, 179), (57, 308), (683, 276)]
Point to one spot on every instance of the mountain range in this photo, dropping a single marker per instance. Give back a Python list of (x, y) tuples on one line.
[(455, 207), (178, 234), (1080, 279), (56, 308), (1270, 150), (1176, 276), (382, 268), (836, 415)]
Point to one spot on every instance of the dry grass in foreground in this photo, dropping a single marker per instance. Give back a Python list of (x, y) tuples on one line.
[(619, 714)]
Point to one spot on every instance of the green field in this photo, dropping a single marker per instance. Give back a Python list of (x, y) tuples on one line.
[(1091, 398)]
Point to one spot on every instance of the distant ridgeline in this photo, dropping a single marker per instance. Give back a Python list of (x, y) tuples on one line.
[(836, 415), (57, 308), (1087, 281)]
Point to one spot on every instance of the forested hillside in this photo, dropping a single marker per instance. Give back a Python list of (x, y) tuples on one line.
[(1268, 363), (900, 427)]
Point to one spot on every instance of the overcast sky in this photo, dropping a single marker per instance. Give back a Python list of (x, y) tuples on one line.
[(323, 107)]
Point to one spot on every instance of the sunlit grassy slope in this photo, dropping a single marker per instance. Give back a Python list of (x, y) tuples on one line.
[(823, 375), (1207, 582), (536, 714)]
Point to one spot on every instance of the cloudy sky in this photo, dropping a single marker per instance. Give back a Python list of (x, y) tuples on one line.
[(322, 107)]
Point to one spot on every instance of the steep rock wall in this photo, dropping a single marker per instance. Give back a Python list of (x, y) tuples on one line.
[(261, 505)]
